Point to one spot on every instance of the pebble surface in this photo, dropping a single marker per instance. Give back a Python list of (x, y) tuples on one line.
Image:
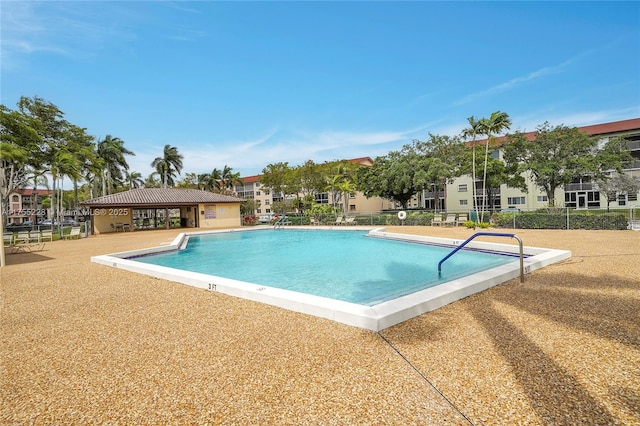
[(83, 343)]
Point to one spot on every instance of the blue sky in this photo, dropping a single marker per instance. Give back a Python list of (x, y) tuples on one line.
[(246, 84)]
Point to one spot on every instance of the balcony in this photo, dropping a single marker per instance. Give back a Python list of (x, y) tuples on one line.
[(579, 187), (634, 165), (634, 145)]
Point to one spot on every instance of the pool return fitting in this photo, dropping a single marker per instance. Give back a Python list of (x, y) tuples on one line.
[(492, 234)]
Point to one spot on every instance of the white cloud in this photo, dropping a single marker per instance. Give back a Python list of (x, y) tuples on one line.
[(250, 156), (518, 81)]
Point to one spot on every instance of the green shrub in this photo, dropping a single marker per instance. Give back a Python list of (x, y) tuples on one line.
[(554, 219)]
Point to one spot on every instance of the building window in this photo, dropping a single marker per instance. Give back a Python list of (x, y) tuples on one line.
[(464, 203), (515, 200), (543, 199), (258, 211), (322, 198), (267, 192), (352, 207), (622, 200), (352, 195), (257, 193), (257, 184), (462, 188), (15, 198), (267, 202)]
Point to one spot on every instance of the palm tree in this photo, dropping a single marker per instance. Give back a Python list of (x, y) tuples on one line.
[(111, 152), (229, 179), (168, 165), (347, 188), (134, 179), (83, 147), (63, 163), (473, 131), (498, 122), (210, 181)]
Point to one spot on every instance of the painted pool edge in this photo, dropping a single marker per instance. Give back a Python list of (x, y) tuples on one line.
[(374, 318)]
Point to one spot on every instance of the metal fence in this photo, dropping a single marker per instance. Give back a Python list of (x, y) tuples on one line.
[(550, 218)]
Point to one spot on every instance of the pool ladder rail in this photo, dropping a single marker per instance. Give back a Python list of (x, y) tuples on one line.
[(492, 234), (284, 220)]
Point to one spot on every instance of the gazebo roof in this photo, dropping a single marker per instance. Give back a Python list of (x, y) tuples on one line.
[(160, 197)]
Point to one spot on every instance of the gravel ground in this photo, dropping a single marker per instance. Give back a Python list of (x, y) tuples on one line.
[(88, 344)]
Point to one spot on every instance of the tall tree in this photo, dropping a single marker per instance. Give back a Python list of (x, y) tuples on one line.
[(168, 165), (111, 154), (439, 161), (210, 181), (340, 178), (496, 123), (390, 177), (55, 155), (312, 178), (82, 146), (554, 157), (474, 129), (230, 179), (278, 177), (618, 183), (19, 144), (134, 179)]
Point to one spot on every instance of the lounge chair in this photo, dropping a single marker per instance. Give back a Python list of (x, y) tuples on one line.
[(47, 234), (350, 221), (437, 220), (339, 220), (22, 237), (25, 243), (75, 233), (314, 221), (7, 239), (450, 220), (461, 219)]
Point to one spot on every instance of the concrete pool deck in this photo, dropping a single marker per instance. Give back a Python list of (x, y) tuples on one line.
[(83, 343)]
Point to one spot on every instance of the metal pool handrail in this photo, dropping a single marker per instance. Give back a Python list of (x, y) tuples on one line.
[(492, 234)]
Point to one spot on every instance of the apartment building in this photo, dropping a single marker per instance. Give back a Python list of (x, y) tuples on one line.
[(581, 194), (356, 204), (457, 196), (26, 205)]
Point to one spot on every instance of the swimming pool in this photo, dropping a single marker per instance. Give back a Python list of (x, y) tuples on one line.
[(371, 283), (344, 266)]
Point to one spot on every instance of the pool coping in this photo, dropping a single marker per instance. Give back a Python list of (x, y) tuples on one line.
[(374, 318)]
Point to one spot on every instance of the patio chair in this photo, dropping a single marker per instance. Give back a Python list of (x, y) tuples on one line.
[(450, 220), (461, 219), (7, 239), (22, 237), (437, 220), (350, 221), (339, 220), (75, 233), (47, 234), (26, 243), (314, 221)]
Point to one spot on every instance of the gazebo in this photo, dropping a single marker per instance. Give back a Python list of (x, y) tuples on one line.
[(162, 208)]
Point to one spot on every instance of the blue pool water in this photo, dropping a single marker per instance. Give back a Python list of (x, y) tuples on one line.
[(342, 265)]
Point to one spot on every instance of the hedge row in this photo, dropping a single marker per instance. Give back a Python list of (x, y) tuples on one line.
[(545, 220)]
